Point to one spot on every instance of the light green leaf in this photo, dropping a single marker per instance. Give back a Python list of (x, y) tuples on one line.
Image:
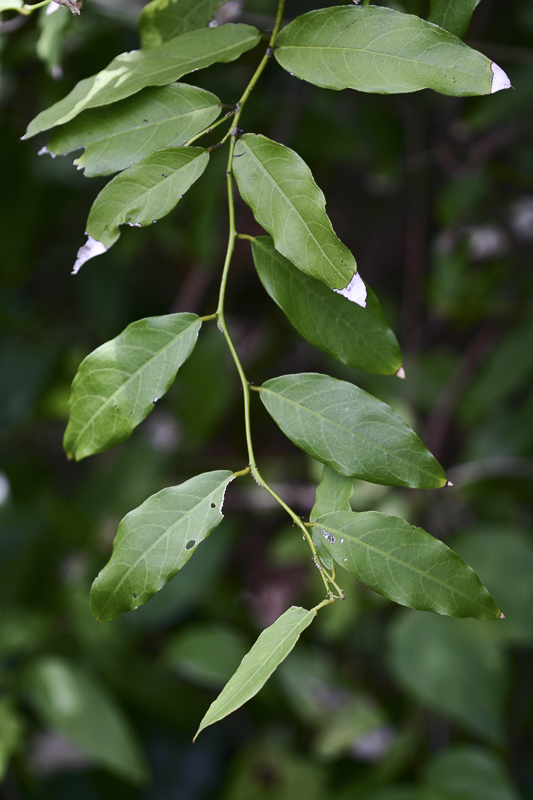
[(405, 564), (205, 654), (358, 337), (332, 494), (349, 430), (74, 703), (384, 51), (117, 385), (453, 15), (454, 668), (155, 540), (162, 20), (469, 772), (131, 72), (140, 195), (279, 188), (116, 137), (10, 5), (271, 648)]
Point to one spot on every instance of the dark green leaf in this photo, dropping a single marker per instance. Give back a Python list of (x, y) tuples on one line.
[(349, 430), (205, 654), (117, 385), (131, 72), (116, 137), (453, 15), (359, 337), (469, 772), (332, 494), (271, 648), (162, 20), (405, 564), (381, 50), (155, 540), (11, 733), (279, 188)]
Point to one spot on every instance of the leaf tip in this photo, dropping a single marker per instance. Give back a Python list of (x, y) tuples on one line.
[(355, 291), (400, 373), (502, 615), (447, 484), (90, 249), (500, 79)]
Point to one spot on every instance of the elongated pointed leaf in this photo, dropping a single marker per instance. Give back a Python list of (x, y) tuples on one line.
[(117, 385), (162, 20), (349, 430), (381, 50), (117, 136), (453, 15), (359, 337), (71, 701), (140, 195), (279, 188), (332, 494), (271, 648), (131, 72), (155, 540), (405, 564)]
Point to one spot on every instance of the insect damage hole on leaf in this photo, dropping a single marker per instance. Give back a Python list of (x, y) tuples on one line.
[(500, 79), (355, 291)]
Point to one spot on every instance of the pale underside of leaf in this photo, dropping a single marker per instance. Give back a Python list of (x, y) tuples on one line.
[(279, 188), (381, 50), (349, 430), (162, 20), (270, 649), (155, 540), (116, 136), (131, 72), (118, 384), (405, 564)]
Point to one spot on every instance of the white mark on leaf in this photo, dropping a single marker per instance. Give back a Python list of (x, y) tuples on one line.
[(330, 539), (90, 249), (44, 150), (499, 79), (355, 291), (401, 373)]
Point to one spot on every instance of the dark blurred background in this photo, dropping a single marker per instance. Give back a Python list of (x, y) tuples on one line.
[(434, 196)]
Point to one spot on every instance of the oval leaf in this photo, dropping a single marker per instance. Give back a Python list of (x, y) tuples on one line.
[(117, 385), (131, 72), (162, 20), (358, 337), (469, 771), (279, 188), (453, 15), (381, 50), (349, 430), (116, 137), (140, 195), (271, 648), (332, 494), (155, 540), (405, 564)]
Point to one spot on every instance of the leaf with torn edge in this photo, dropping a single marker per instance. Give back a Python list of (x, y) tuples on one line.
[(279, 188), (383, 51), (349, 430), (359, 337), (118, 384), (405, 564), (453, 15), (270, 649), (116, 136), (332, 494), (162, 20), (131, 72), (140, 195), (155, 540)]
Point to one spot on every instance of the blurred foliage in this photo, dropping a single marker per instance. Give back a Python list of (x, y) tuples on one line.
[(434, 195)]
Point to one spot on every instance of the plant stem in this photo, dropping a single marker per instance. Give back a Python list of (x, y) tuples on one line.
[(26, 9)]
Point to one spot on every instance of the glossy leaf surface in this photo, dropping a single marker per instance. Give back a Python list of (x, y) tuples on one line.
[(405, 564), (349, 430), (117, 385), (453, 15), (162, 20), (359, 337), (384, 51), (279, 188), (71, 701), (270, 649), (117, 136), (131, 72), (155, 540), (332, 494)]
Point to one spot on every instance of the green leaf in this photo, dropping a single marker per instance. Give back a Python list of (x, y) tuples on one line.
[(162, 20), (50, 42), (332, 494), (279, 188), (11, 733), (453, 15), (358, 337), (405, 564), (116, 137), (10, 5), (469, 772), (73, 702), (140, 195), (117, 385), (190, 653), (271, 648), (384, 51), (454, 668), (349, 430), (131, 72), (155, 540)]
